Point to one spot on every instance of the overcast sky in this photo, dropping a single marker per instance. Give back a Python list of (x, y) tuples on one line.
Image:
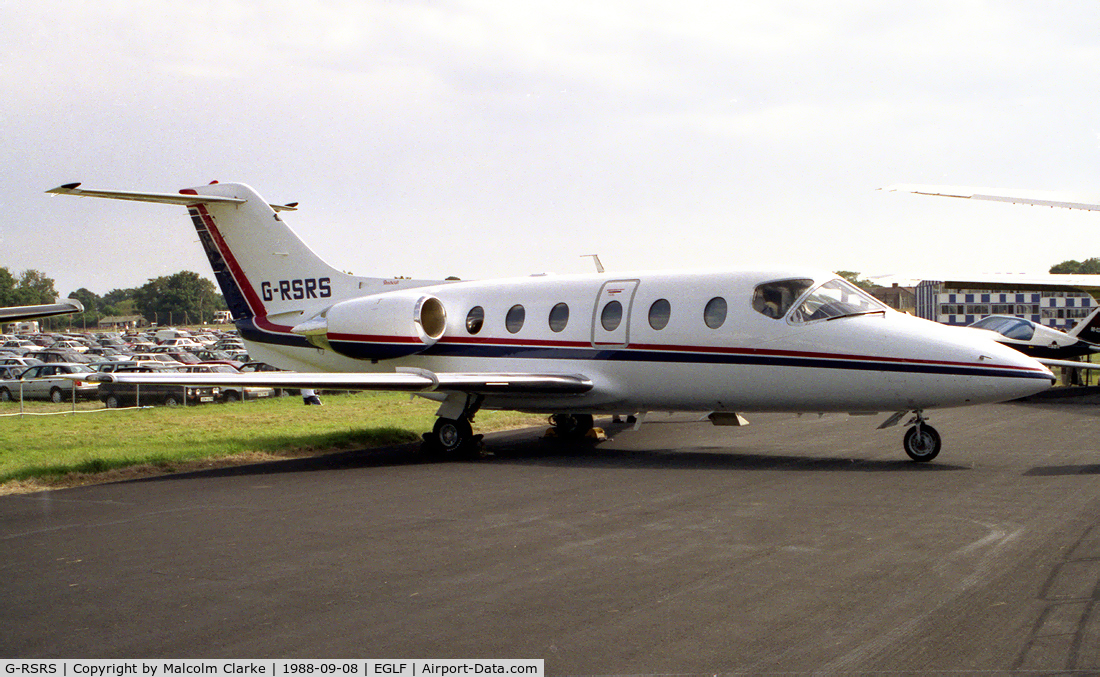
[(480, 138)]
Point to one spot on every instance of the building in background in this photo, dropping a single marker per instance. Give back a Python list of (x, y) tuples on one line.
[(1059, 309)]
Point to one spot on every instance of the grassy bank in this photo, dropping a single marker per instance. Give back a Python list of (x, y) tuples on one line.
[(61, 450)]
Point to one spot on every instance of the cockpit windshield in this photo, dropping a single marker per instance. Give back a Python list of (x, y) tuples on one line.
[(1009, 327), (835, 299)]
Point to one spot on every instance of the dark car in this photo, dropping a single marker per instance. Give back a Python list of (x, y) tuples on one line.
[(230, 393), (131, 394)]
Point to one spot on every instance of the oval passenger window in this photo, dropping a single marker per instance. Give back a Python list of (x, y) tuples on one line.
[(715, 312), (475, 319), (611, 316), (659, 313), (513, 322)]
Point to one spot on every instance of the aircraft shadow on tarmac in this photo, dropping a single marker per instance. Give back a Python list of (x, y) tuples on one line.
[(1063, 470), (523, 448)]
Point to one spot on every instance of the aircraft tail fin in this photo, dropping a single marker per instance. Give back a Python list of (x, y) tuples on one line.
[(268, 275), (1088, 329)]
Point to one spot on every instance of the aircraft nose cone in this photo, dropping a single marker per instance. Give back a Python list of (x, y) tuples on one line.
[(1020, 375)]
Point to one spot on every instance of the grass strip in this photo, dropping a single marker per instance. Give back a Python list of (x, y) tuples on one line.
[(44, 451)]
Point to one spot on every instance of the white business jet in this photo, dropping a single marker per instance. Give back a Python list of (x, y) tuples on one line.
[(726, 342)]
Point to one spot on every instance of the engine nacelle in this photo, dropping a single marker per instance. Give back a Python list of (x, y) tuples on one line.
[(378, 327)]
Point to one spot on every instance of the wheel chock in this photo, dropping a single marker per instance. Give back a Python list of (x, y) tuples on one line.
[(596, 434)]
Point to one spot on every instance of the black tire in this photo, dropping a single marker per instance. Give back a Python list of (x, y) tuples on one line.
[(452, 436), (171, 401), (231, 396), (922, 443), (5, 395), (112, 402), (56, 396)]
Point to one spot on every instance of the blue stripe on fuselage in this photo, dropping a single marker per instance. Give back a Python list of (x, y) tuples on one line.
[(250, 331)]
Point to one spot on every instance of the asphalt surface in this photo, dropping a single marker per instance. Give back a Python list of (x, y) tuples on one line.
[(795, 545)]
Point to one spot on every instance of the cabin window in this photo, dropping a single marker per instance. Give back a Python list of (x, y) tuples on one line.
[(559, 317), (715, 312), (513, 321), (659, 313), (611, 316), (774, 299), (475, 319)]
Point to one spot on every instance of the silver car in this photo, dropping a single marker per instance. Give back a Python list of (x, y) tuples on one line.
[(45, 382)]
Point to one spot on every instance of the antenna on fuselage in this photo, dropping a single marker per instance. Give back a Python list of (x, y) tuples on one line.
[(596, 260)]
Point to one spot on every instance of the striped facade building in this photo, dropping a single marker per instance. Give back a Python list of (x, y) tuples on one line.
[(1056, 309)]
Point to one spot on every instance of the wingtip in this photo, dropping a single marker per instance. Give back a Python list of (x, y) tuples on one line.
[(66, 188)]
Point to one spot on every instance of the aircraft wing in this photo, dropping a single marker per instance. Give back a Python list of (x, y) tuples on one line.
[(1067, 363), (1024, 197), (20, 313), (410, 380)]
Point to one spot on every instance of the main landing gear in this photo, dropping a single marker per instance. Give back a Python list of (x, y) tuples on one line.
[(571, 426), (453, 434), (922, 442)]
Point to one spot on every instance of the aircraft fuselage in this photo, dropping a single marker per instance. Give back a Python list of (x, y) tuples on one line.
[(661, 353)]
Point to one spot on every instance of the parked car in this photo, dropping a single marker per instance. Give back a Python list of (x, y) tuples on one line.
[(184, 344), (115, 395), (19, 346), (69, 344), (211, 355), (114, 342), (157, 359), (249, 367), (23, 362), (44, 382), (11, 371), (178, 354), (230, 393), (49, 355)]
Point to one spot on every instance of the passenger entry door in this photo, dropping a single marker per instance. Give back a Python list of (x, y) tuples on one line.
[(611, 316)]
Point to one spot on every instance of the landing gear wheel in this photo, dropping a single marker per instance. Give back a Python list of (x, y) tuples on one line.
[(452, 437), (922, 443), (571, 426)]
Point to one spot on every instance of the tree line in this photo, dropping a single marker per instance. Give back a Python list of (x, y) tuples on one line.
[(182, 298), (1071, 267)]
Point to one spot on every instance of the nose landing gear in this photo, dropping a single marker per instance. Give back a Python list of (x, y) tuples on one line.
[(921, 442)]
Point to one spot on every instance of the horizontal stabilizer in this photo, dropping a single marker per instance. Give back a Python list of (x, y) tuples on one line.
[(405, 381), (1036, 198), (181, 198)]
